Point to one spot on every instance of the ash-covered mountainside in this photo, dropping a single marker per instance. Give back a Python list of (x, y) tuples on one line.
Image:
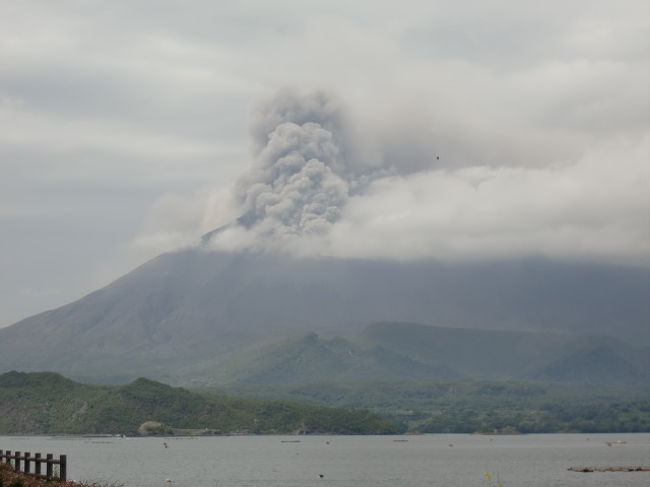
[(188, 307)]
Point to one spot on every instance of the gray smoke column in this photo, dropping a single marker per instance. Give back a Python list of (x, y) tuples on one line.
[(299, 180), (308, 160)]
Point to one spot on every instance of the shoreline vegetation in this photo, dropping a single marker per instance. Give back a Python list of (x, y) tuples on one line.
[(46, 403), (484, 407)]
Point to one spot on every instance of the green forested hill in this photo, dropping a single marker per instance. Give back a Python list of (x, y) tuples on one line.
[(48, 403), (480, 406)]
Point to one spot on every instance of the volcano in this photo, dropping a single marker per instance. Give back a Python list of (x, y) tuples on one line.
[(193, 306)]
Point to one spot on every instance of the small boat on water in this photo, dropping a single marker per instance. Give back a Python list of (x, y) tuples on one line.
[(617, 442), (609, 469)]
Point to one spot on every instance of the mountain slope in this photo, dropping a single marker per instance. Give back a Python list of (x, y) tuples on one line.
[(488, 354), (187, 307), (594, 363), (409, 352), (311, 359)]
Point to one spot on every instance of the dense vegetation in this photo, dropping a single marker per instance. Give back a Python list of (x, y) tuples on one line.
[(481, 406), (47, 403)]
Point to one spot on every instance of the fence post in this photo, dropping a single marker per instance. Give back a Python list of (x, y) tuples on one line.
[(63, 467), (49, 461), (48, 466)]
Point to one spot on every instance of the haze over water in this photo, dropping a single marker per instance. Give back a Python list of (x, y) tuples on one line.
[(349, 461)]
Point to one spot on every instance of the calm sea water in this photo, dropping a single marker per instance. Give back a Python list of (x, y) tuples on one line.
[(348, 461)]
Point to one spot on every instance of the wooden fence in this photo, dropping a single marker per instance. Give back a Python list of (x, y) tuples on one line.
[(22, 462)]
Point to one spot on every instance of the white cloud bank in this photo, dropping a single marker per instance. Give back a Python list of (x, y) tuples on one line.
[(298, 197), (594, 208), (315, 189)]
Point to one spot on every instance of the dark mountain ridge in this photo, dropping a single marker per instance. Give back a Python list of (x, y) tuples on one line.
[(409, 352)]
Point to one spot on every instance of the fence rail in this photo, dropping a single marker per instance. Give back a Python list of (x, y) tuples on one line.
[(22, 462)]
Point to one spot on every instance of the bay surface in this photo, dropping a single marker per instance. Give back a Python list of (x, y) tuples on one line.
[(348, 461)]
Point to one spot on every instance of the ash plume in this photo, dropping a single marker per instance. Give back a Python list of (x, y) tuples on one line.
[(301, 177), (297, 183)]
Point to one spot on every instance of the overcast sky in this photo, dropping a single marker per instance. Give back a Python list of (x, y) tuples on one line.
[(125, 131)]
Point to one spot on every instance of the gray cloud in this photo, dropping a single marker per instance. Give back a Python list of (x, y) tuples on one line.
[(297, 196)]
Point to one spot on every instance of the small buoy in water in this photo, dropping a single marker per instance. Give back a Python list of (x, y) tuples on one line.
[(327, 442), (451, 445), (165, 443), (169, 481), (321, 475)]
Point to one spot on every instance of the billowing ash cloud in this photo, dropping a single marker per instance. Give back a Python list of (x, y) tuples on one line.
[(289, 106), (294, 187), (297, 183), (301, 177)]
